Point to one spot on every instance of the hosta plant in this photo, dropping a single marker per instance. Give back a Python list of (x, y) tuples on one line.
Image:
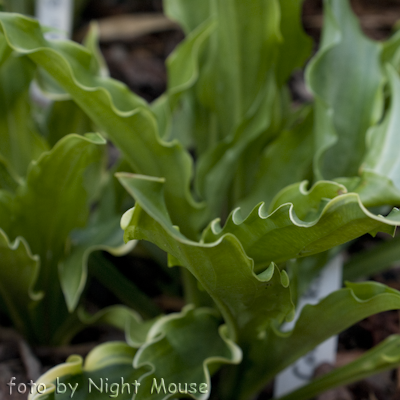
[(248, 195)]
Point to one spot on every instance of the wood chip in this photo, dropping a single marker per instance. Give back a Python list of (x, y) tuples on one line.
[(130, 27)]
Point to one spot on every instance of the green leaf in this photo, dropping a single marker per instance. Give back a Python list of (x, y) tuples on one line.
[(239, 113), (224, 118), (106, 369), (19, 270), (110, 104), (381, 158), (63, 118), (296, 46), (379, 182), (277, 350), (384, 356), (103, 232), (5, 49), (8, 179), (289, 154), (46, 208), (374, 190), (301, 223), (19, 141), (372, 261), (217, 167), (97, 67), (248, 302), (121, 317), (189, 13), (73, 272), (6, 210), (57, 188), (391, 51), (183, 72), (346, 79), (20, 6), (181, 350)]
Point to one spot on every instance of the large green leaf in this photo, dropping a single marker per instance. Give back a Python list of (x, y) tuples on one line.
[(247, 301), (275, 351), (346, 79), (124, 116), (18, 274), (266, 351), (221, 261), (182, 348), (301, 223)]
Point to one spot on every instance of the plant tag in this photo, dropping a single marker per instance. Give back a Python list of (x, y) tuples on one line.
[(301, 372), (56, 14)]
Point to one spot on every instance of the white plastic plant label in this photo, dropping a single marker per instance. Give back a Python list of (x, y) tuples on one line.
[(301, 372), (57, 14)]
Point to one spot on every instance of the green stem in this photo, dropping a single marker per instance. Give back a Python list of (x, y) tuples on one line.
[(191, 290), (382, 357), (125, 290)]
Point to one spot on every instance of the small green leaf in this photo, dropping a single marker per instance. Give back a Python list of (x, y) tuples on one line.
[(181, 350), (106, 369), (381, 166), (346, 78), (56, 188), (19, 270), (46, 208), (73, 270)]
